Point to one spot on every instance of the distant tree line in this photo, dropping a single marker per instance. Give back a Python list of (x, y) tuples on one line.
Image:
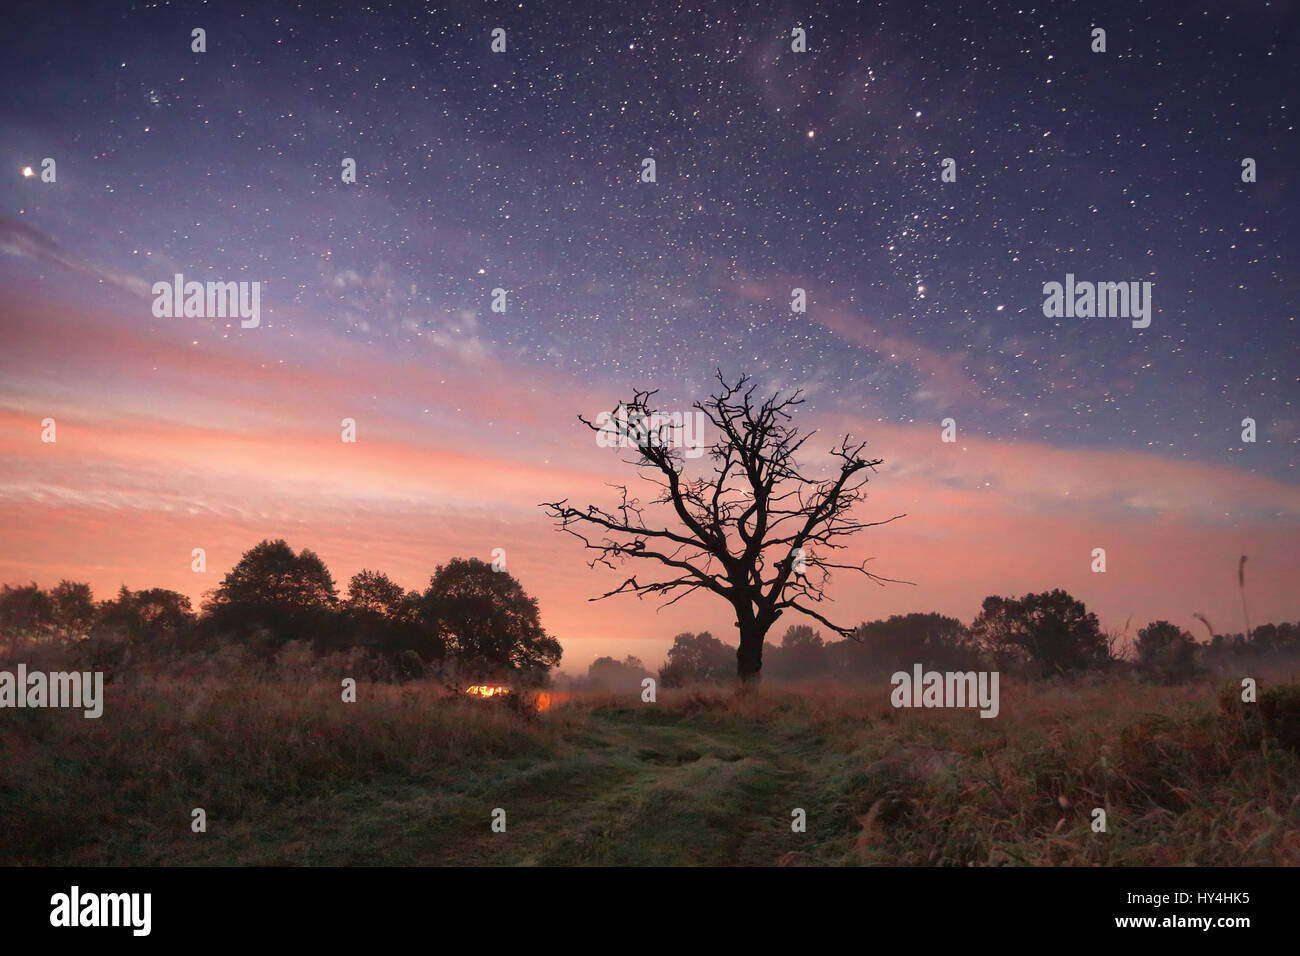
[(471, 622), (1042, 635), (475, 623)]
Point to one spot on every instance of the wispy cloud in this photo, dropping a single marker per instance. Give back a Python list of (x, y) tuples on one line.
[(26, 241)]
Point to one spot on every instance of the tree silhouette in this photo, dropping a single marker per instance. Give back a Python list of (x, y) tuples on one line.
[(289, 596), (24, 610), (25, 607), (800, 636), (74, 606), (802, 652), (1166, 652), (622, 676), (694, 659), (374, 592), (154, 616), (488, 622), (1051, 629), (379, 614), (757, 532), (931, 640)]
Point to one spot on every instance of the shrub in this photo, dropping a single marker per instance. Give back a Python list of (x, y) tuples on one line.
[(1279, 709), (1166, 653)]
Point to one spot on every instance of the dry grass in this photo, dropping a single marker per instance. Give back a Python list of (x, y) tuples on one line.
[(409, 774)]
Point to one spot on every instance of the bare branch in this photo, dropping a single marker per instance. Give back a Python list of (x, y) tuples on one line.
[(744, 528)]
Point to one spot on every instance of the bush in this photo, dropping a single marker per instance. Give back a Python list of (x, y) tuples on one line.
[(1279, 709), (1166, 653)]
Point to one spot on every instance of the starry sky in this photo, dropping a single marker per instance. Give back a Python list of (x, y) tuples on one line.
[(774, 170)]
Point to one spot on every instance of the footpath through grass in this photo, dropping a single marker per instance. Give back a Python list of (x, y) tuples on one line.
[(287, 774)]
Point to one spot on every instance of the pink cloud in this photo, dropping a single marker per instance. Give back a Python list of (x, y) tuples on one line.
[(230, 448)]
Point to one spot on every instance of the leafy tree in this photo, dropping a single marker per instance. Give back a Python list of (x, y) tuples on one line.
[(802, 653), (488, 623), (1051, 629), (697, 658), (276, 592), (116, 615), (163, 614), (1224, 650), (931, 640), (758, 532), (73, 605), (155, 616), (1270, 638), (25, 609), (623, 676), (800, 636), (375, 593), (383, 616), (25, 612), (998, 630), (1166, 652)]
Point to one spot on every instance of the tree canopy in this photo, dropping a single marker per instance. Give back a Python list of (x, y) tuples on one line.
[(276, 593), (1051, 629), (760, 532), (697, 658), (487, 622)]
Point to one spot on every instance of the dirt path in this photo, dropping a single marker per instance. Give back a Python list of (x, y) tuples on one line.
[(632, 790), (623, 787)]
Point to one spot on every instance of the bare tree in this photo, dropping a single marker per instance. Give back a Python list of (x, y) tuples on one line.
[(758, 532)]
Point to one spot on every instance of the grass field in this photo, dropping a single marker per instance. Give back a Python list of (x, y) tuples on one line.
[(289, 774)]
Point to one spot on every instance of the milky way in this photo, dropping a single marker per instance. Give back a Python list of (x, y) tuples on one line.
[(775, 170)]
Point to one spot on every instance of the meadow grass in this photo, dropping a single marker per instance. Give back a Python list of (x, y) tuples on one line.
[(289, 774)]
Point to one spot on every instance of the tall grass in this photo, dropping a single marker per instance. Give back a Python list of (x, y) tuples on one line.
[(288, 772)]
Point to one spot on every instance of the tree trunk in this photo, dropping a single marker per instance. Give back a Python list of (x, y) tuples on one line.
[(749, 656)]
